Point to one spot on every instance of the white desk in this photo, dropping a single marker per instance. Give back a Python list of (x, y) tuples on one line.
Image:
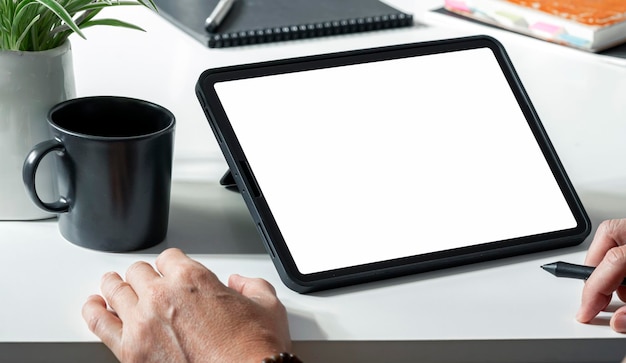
[(501, 311)]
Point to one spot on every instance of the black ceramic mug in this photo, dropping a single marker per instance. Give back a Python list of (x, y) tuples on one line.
[(114, 166)]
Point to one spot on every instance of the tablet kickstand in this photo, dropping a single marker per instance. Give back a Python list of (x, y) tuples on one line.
[(228, 181)]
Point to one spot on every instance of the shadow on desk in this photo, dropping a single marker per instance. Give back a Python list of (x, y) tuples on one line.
[(206, 218)]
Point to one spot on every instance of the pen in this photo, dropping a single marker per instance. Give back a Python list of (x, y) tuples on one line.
[(218, 14), (569, 270)]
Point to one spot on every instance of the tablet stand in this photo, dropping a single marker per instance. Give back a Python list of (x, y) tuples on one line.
[(228, 181)]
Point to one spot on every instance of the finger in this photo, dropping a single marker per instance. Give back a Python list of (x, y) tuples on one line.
[(174, 263), (102, 322), (140, 275), (618, 320), (170, 260), (118, 293), (610, 233), (600, 286), (253, 288)]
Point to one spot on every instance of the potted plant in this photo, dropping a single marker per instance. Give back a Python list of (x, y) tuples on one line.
[(36, 73)]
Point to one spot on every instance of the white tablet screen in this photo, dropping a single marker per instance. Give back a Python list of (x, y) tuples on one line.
[(389, 159)]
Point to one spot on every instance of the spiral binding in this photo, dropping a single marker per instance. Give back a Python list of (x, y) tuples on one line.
[(303, 31)]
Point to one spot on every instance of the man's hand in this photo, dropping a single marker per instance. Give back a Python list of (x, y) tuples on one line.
[(181, 312)]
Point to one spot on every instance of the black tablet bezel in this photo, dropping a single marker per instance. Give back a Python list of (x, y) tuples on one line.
[(261, 212)]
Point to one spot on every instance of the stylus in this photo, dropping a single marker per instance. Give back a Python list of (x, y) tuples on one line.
[(569, 270), (218, 14)]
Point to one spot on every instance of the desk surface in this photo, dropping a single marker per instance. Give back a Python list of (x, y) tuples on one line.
[(506, 310)]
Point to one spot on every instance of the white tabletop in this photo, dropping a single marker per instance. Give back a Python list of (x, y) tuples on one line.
[(505, 310)]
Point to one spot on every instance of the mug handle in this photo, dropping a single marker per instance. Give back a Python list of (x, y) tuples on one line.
[(29, 171)]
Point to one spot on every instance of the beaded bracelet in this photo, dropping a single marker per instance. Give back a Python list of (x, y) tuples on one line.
[(282, 358)]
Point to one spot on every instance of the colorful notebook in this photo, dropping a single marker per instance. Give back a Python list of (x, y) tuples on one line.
[(590, 25), (263, 21)]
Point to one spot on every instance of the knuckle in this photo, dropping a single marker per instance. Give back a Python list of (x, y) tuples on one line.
[(194, 273), (94, 323), (269, 289), (135, 266), (614, 228), (117, 291), (605, 225), (610, 226), (166, 254), (616, 256), (261, 285), (264, 284)]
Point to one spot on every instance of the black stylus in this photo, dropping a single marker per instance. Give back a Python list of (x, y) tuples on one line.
[(569, 270)]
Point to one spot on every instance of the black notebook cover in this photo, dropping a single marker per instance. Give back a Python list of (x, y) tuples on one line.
[(262, 21)]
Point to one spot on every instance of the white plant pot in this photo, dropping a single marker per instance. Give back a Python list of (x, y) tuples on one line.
[(30, 84)]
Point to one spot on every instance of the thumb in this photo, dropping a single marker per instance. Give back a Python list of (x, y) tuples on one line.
[(253, 288)]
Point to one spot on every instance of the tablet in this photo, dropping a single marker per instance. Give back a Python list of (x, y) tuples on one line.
[(370, 164)]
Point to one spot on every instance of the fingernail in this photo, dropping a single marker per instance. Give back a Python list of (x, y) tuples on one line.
[(579, 316)]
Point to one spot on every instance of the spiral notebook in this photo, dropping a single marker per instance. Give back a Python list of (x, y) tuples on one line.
[(264, 21)]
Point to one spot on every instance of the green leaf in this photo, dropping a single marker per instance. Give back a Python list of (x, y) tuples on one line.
[(75, 6), (59, 11), (44, 24), (26, 31), (100, 5), (110, 22)]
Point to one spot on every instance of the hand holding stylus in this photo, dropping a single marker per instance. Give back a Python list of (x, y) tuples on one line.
[(608, 253)]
